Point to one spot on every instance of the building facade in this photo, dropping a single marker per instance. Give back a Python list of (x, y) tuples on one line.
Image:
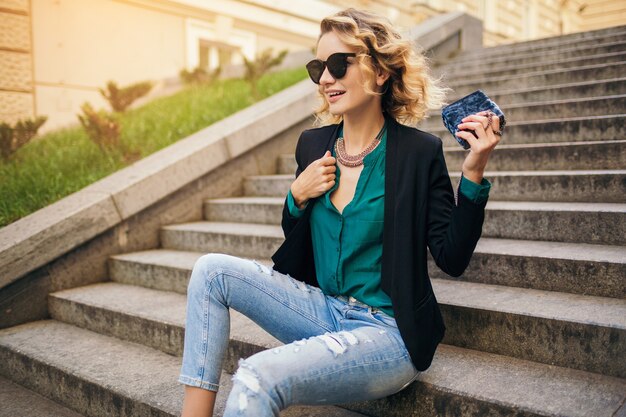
[(55, 54)]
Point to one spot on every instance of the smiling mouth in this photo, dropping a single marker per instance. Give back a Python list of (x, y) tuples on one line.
[(336, 94)]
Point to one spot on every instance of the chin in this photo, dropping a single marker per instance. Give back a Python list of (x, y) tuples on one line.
[(335, 111)]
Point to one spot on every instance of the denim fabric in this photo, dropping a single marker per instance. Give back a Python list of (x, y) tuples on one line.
[(453, 113), (336, 349)]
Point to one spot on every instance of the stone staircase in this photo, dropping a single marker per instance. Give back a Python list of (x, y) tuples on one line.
[(536, 326)]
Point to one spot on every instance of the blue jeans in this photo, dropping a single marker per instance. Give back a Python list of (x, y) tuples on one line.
[(336, 350)]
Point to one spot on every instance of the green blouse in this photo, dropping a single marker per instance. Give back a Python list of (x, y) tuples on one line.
[(348, 246)]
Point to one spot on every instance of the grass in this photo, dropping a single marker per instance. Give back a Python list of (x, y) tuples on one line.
[(64, 161)]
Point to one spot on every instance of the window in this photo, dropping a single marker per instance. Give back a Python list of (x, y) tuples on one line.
[(208, 49), (214, 54)]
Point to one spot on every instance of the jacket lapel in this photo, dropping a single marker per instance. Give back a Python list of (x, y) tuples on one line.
[(387, 267), (330, 140)]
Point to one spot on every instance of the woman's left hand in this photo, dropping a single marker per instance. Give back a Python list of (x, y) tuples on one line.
[(480, 149)]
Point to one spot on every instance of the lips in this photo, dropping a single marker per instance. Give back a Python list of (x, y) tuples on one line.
[(333, 96)]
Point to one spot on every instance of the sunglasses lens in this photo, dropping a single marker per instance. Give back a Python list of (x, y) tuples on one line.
[(337, 65), (315, 69)]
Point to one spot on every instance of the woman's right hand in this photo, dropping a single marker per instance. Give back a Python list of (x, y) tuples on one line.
[(315, 180)]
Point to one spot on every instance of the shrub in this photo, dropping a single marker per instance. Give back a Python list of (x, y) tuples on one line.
[(199, 75), (121, 98), (14, 137), (101, 127), (260, 66)]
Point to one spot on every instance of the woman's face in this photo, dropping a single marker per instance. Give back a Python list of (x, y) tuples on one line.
[(353, 98)]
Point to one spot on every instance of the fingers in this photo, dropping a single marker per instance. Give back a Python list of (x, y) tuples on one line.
[(482, 118), (325, 165), (479, 123), (318, 177), (473, 142), (329, 168), (486, 140), (327, 159), (469, 137), (328, 181), (328, 176)]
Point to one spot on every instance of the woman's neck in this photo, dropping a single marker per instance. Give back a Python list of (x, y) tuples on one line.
[(360, 131)]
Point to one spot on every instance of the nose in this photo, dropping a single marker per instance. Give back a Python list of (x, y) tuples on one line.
[(326, 78)]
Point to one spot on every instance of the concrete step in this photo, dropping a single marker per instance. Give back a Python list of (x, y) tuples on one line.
[(549, 156), (582, 89), (540, 64), (569, 330), (168, 269), (576, 268), (569, 50), (601, 223), (596, 223), (499, 62), (18, 401), (524, 157), (240, 239), (107, 376), (260, 210), (91, 373), (580, 332), (492, 311), (150, 317), (567, 129), (547, 45), (589, 106), (540, 78), (160, 269), (608, 186), (460, 381)]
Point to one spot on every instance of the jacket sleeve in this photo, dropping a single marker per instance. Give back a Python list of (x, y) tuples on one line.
[(453, 229), (289, 221)]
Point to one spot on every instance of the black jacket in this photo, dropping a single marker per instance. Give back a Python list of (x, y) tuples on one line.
[(420, 212)]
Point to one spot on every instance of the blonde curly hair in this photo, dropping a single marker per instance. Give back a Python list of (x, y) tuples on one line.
[(410, 92)]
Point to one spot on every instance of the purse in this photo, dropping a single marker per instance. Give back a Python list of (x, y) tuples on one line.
[(453, 113)]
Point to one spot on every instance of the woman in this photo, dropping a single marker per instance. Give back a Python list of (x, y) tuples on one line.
[(349, 292)]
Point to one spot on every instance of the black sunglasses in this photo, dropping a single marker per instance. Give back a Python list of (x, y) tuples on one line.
[(337, 65)]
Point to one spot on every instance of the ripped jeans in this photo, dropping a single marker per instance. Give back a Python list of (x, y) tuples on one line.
[(336, 350)]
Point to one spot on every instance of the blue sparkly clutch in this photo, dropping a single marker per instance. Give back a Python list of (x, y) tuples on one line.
[(453, 113)]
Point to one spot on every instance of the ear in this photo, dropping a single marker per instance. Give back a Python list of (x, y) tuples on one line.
[(381, 77)]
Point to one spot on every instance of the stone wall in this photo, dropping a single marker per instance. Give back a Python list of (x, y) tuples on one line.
[(16, 67)]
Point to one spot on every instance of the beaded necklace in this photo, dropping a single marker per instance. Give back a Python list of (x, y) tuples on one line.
[(356, 160)]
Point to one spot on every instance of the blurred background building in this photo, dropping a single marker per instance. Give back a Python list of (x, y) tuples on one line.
[(55, 54)]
